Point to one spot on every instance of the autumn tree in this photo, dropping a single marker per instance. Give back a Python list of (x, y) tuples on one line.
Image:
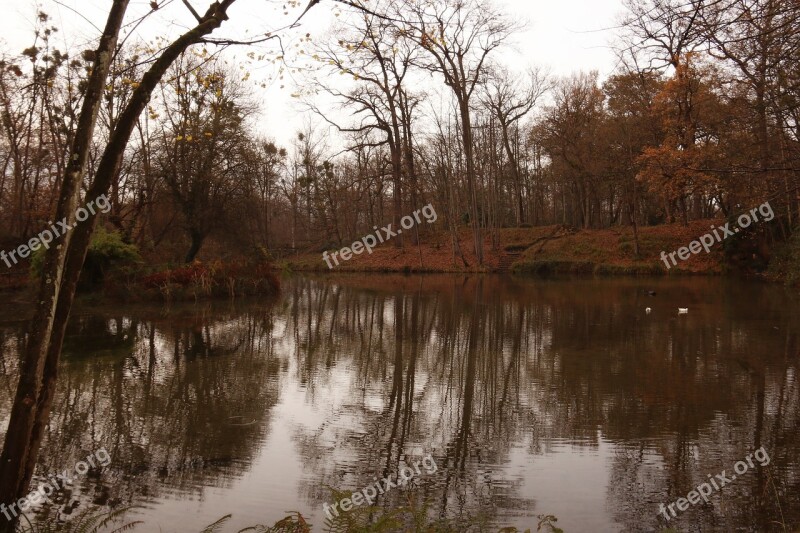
[(39, 98), (632, 126), (690, 112), (758, 39), (570, 131)]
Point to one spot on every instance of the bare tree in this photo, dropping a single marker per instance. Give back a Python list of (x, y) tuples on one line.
[(203, 144), (510, 98), (379, 59), (759, 39), (662, 32), (36, 386), (459, 36)]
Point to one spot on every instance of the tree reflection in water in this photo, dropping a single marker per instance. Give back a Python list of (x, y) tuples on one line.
[(502, 380)]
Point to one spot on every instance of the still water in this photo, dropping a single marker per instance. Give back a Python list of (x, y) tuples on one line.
[(533, 397)]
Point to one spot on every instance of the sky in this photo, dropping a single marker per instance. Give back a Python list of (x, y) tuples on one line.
[(564, 36)]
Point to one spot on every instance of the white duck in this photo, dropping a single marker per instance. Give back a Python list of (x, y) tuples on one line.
[(683, 310)]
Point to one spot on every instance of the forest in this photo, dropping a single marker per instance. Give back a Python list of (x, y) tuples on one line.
[(137, 167), (700, 120)]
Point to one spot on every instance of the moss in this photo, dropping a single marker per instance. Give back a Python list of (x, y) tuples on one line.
[(546, 267), (785, 264)]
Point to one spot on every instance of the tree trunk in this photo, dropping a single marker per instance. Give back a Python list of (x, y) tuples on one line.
[(515, 173), (469, 156), (197, 239), (63, 264), (397, 183), (37, 374)]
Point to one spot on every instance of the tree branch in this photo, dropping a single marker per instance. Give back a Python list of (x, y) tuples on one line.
[(194, 13)]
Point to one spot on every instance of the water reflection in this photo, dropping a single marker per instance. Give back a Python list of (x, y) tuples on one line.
[(535, 397)]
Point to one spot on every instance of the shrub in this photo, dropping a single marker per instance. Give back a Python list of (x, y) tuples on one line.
[(107, 252), (627, 248), (785, 265), (214, 279)]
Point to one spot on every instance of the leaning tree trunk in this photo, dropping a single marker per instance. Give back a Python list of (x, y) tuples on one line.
[(30, 404), (63, 265)]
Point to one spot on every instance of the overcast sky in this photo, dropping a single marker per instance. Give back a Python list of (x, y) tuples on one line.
[(565, 36)]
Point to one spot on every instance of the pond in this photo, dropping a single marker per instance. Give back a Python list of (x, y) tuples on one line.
[(526, 397)]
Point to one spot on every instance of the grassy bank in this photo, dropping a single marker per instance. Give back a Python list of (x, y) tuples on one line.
[(613, 252), (540, 250), (169, 283)]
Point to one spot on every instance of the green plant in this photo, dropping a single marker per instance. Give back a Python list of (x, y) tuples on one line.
[(294, 523), (785, 264), (91, 520), (106, 251)]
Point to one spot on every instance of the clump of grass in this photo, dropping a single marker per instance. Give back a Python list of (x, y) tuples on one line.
[(546, 267), (639, 269), (293, 523), (414, 517), (90, 520), (546, 523)]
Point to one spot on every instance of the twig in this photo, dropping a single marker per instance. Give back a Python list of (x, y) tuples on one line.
[(194, 13)]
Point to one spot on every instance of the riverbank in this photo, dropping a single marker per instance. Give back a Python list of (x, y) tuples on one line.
[(537, 250), (541, 250), (191, 282)]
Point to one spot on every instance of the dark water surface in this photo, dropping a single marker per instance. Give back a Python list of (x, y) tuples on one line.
[(534, 397)]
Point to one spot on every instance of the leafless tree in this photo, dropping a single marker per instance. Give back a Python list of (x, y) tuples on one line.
[(459, 38), (510, 98)]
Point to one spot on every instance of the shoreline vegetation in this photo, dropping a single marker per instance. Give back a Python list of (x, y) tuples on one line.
[(116, 272), (193, 151), (559, 249)]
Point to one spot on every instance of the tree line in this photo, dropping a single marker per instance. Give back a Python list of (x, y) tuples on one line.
[(700, 118)]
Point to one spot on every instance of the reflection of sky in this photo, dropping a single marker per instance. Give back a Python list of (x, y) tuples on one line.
[(610, 412), (569, 482), (271, 483)]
